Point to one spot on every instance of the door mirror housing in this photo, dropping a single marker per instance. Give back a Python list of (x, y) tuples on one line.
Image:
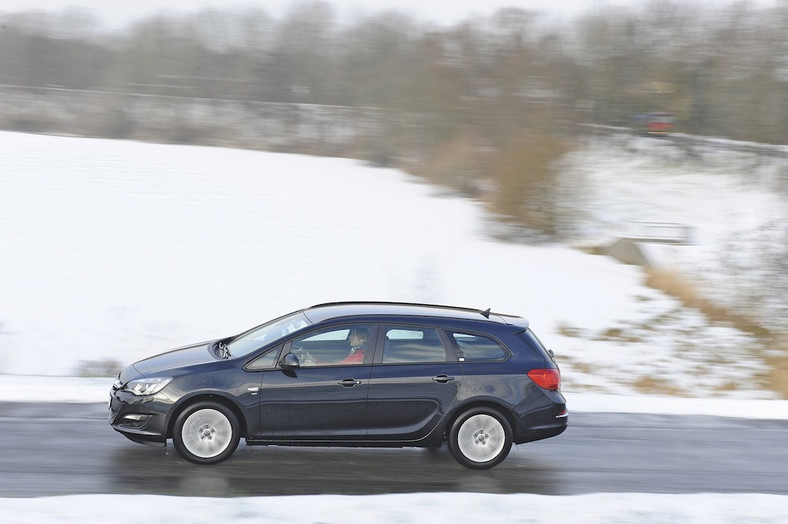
[(290, 361)]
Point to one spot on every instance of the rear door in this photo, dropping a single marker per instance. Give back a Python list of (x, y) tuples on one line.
[(414, 382)]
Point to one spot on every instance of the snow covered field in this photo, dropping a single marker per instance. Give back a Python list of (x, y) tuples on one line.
[(731, 199), (111, 251)]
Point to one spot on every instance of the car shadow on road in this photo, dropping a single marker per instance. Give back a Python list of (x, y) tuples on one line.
[(274, 470)]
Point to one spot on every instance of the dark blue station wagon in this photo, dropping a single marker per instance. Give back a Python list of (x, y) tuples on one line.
[(375, 374)]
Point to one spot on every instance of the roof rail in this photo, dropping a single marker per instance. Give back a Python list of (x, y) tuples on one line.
[(485, 313)]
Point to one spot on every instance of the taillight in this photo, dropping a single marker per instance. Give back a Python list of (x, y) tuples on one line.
[(546, 378)]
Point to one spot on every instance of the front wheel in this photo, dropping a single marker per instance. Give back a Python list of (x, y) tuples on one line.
[(206, 433), (480, 438)]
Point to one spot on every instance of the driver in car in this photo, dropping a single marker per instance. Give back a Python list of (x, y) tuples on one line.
[(358, 341)]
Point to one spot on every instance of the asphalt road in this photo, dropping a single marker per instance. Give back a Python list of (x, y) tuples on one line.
[(65, 449)]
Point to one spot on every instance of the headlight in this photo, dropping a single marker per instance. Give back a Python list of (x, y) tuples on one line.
[(147, 386)]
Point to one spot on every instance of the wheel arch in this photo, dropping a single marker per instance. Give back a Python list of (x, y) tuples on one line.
[(480, 403), (213, 397)]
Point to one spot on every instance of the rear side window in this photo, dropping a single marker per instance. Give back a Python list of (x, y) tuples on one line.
[(410, 345), (478, 347)]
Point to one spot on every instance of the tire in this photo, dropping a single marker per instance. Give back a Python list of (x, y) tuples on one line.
[(206, 433), (480, 438)]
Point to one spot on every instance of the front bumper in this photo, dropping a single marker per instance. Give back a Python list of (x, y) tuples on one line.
[(141, 419)]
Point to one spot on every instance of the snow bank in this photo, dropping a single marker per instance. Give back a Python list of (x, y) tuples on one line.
[(434, 508)]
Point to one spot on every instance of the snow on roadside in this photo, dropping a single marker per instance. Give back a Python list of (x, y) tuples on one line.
[(435, 508)]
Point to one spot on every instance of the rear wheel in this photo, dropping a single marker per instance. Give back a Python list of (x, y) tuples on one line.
[(206, 433), (480, 438)]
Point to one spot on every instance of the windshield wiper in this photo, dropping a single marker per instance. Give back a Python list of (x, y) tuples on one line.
[(225, 350)]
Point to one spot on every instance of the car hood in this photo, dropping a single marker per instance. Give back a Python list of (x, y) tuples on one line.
[(177, 358)]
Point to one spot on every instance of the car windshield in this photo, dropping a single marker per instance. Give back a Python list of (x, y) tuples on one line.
[(262, 335)]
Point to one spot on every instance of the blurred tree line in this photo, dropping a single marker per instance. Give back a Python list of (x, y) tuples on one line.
[(722, 71), (491, 99)]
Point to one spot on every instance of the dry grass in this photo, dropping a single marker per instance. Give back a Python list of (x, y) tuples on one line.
[(455, 163), (778, 374), (652, 386), (570, 331), (523, 174), (678, 287), (674, 285), (619, 335), (583, 367)]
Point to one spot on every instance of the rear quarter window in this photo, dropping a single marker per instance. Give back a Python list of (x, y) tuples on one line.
[(478, 348), (531, 341)]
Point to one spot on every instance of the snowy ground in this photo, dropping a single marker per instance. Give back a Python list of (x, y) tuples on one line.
[(111, 251), (433, 508), (731, 199)]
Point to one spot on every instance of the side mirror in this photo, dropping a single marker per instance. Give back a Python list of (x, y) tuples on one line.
[(290, 361), (552, 355)]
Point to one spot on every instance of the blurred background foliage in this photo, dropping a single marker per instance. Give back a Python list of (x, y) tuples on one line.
[(723, 71), (486, 105)]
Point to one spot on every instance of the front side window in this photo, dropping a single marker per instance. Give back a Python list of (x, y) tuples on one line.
[(347, 345), (409, 345), (478, 347)]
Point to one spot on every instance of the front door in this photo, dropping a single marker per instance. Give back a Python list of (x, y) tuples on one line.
[(324, 397)]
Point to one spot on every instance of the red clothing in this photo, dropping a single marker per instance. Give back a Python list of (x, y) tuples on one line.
[(354, 358)]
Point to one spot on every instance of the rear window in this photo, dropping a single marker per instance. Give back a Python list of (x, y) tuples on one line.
[(478, 347)]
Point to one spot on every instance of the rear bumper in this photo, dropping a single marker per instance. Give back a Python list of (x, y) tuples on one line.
[(542, 423), (541, 432)]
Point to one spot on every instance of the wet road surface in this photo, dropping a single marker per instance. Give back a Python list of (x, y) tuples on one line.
[(62, 449)]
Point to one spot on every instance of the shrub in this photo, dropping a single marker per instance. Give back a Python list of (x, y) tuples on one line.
[(456, 163), (525, 180)]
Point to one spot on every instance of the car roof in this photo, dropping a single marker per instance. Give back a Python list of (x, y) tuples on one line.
[(333, 310)]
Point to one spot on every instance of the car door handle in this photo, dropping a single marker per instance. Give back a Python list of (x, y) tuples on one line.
[(349, 382), (442, 379)]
